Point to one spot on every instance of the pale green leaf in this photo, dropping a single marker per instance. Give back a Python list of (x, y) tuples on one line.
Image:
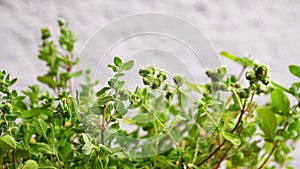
[(268, 122), (295, 70), (128, 65), (30, 164), (234, 139), (280, 101), (7, 142)]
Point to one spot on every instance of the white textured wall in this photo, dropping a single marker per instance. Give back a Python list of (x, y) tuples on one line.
[(268, 30)]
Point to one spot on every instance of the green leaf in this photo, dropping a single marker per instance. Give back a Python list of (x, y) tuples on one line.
[(12, 82), (268, 146), (30, 113), (104, 100), (295, 70), (76, 74), (102, 91), (280, 101), (114, 69), (47, 167), (7, 142), (241, 60), (268, 122), (97, 163), (178, 79), (164, 160), (117, 61), (104, 148), (118, 75), (87, 148), (85, 138), (48, 80), (234, 139), (112, 167), (229, 56), (115, 126), (30, 164), (280, 87), (192, 86), (128, 65), (41, 148), (41, 126)]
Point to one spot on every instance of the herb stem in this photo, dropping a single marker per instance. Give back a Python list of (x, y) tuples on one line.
[(269, 156), (239, 78), (238, 99), (103, 125), (196, 149), (179, 90), (243, 109), (273, 149)]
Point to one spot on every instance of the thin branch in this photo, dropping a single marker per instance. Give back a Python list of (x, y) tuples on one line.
[(15, 159), (273, 149), (69, 71), (223, 143), (250, 109), (239, 78), (103, 125), (269, 156)]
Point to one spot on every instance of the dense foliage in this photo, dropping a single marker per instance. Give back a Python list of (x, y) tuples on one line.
[(191, 126)]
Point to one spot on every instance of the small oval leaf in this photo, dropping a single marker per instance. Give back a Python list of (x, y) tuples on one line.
[(280, 101), (268, 122), (104, 148), (7, 142), (117, 61), (30, 164), (128, 65), (295, 70), (232, 138)]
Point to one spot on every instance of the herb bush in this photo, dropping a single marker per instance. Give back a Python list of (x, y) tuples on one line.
[(43, 128)]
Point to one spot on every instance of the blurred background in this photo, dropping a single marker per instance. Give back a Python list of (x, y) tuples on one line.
[(267, 30)]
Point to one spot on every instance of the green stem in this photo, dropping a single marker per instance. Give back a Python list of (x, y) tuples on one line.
[(187, 95), (196, 149), (243, 109), (179, 90), (52, 144), (13, 152), (238, 98), (273, 149), (103, 125), (269, 156), (211, 118), (239, 78)]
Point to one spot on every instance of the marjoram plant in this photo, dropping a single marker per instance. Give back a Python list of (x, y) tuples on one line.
[(55, 128)]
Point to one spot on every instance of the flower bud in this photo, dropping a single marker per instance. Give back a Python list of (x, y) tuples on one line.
[(155, 84), (222, 71), (250, 75), (7, 108), (178, 80), (61, 22), (146, 81), (233, 78), (144, 72), (169, 93), (162, 76), (45, 33), (266, 80), (261, 71), (244, 93), (260, 89)]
